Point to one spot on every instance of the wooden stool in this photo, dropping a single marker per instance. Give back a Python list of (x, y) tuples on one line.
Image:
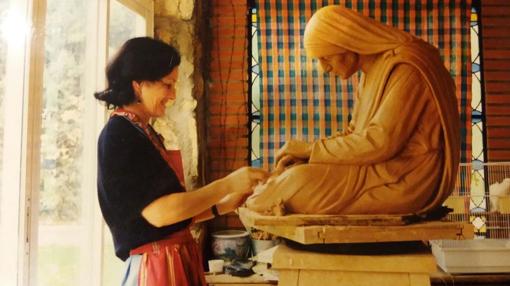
[(306, 268)]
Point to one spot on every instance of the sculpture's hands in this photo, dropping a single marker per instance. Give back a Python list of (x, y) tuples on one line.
[(344, 132), (286, 162), (294, 151)]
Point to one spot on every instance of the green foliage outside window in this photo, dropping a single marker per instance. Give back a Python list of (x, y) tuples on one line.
[(63, 108)]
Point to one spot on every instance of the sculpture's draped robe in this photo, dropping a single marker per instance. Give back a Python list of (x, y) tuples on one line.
[(401, 152)]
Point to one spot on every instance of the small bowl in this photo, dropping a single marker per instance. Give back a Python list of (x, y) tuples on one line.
[(259, 245), (231, 244)]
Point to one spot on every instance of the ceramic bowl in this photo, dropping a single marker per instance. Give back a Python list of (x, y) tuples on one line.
[(231, 244)]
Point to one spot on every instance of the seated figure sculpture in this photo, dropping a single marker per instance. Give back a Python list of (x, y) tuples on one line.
[(400, 153)]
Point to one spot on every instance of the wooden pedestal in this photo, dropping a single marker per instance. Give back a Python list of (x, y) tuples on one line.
[(305, 268), (357, 268)]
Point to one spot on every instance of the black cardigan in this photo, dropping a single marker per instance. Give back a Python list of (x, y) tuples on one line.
[(131, 175)]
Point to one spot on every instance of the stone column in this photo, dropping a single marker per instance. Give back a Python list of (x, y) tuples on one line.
[(177, 22)]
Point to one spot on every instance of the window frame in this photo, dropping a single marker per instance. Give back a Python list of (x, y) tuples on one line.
[(144, 8), (20, 208), (14, 223)]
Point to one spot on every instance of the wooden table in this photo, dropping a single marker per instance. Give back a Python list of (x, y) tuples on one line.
[(441, 278), (229, 280), (438, 278)]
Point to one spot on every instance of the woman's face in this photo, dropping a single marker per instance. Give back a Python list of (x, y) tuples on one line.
[(154, 95), (344, 64)]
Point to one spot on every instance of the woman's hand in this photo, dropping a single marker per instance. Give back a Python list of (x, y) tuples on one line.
[(299, 150), (231, 202), (244, 179), (240, 184)]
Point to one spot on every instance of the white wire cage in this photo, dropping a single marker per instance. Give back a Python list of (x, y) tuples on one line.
[(482, 197)]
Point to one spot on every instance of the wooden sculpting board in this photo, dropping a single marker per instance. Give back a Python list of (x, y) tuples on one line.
[(319, 229)]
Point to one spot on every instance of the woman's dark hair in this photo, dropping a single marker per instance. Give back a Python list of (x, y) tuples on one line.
[(138, 59)]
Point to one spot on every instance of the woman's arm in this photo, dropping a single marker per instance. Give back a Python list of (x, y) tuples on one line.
[(177, 207), (135, 181), (228, 204)]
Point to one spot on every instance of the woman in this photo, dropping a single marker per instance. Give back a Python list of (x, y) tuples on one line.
[(142, 199), (400, 153)]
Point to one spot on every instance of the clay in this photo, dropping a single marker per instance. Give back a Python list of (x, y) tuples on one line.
[(400, 153)]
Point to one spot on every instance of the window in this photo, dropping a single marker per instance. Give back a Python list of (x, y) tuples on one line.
[(254, 91), (12, 89), (4, 7), (48, 136), (476, 171)]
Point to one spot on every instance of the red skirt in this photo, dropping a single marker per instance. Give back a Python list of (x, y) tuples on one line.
[(175, 260)]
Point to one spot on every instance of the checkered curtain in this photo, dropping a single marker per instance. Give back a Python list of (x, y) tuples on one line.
[(301, 102)]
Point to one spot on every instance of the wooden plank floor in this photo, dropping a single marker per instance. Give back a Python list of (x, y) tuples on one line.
[(317, 229)]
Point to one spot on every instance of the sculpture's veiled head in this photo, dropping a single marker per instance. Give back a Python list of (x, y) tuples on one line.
[(335, 29)]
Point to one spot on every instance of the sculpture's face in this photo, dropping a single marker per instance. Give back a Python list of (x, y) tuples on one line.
[(343, 65)]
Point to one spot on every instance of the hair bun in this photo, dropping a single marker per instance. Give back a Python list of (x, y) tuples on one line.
[(102, 95)]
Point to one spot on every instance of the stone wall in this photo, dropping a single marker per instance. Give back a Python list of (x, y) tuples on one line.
[(175, 22)]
